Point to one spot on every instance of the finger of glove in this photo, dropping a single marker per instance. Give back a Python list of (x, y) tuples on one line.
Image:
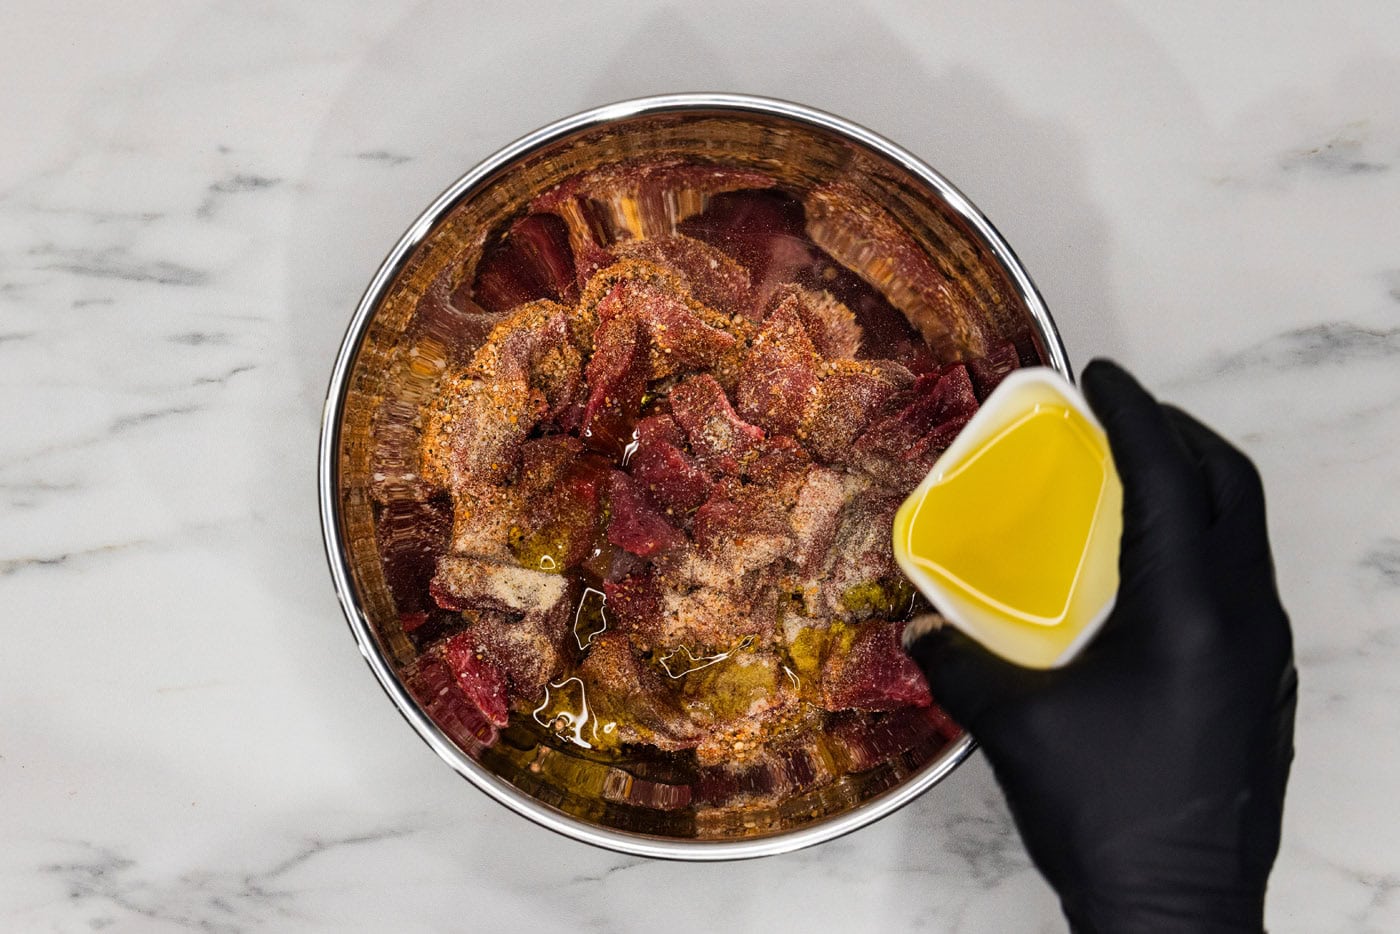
[(1235, 489), (1240, 529), (1163, 495), (966, 679)]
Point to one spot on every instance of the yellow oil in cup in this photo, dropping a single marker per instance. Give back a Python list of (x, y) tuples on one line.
[(1013, 535)]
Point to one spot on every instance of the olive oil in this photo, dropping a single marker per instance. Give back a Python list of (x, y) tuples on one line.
[(1014, 534)]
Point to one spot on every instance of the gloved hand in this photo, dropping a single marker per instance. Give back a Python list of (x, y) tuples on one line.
[(1147, 776)]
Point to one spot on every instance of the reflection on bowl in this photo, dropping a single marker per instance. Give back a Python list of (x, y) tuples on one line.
[(936, 298)]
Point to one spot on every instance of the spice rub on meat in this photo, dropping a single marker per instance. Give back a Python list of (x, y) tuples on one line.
[(672, 469)]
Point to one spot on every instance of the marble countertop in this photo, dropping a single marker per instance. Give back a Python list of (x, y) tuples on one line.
[(193, 196)]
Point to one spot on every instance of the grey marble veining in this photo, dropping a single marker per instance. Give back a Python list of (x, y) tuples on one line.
[(193, 196)]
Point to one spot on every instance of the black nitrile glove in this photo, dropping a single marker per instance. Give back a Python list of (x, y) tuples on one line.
[(1147, 775)]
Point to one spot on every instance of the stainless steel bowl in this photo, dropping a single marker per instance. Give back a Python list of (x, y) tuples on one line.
[(376, 363)]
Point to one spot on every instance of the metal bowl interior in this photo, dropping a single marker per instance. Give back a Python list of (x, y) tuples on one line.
[(389, 364)]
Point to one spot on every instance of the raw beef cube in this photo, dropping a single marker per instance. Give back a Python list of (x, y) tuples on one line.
[(829, 324), (529, 651), (683, 336), (746, 525), (435, 687), (777, 462), (544, 462), (670, 477), (900, 449), (633, 606), (622, 689), (874, 673), (635, 524), (941, 397), (617, 380), (747, 689), (482, 682), (713, 277), (778, 379), (659, 429), (848, 400), (716, 433), (471, 584), (474, 433), (562, 519), (860, 568), (483, 519), (816, 516)]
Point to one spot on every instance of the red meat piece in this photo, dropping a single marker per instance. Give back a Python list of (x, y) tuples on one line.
[(530, 334), (634, 606), (607, 562), (742, 527), (529, 651), (901, 447), (636, 525), (619, 682), (860, 553), (875, 674), (815, 518), (721, 519), (988, 372), (539, 349), (777, 461), (544, 461), (617, 380), (941, 397), (713, 277), (463, 583), (716, 433), (659, 429), (483, 414), (484, 518), (766, 232), (533, 260), (829, 324), (564, 515), (948, 406), (680, 339), (669, 476), (847, 402), (435, 687), (480, 429), (832, 326), (778, 379), (482, 682)]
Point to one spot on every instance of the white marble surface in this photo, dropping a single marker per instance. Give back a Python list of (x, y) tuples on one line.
[(193, 195)]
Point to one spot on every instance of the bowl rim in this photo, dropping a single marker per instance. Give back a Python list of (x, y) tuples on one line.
[(496, 788)]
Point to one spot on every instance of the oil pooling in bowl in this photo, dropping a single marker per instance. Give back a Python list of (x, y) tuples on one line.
[(1014, 534)]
